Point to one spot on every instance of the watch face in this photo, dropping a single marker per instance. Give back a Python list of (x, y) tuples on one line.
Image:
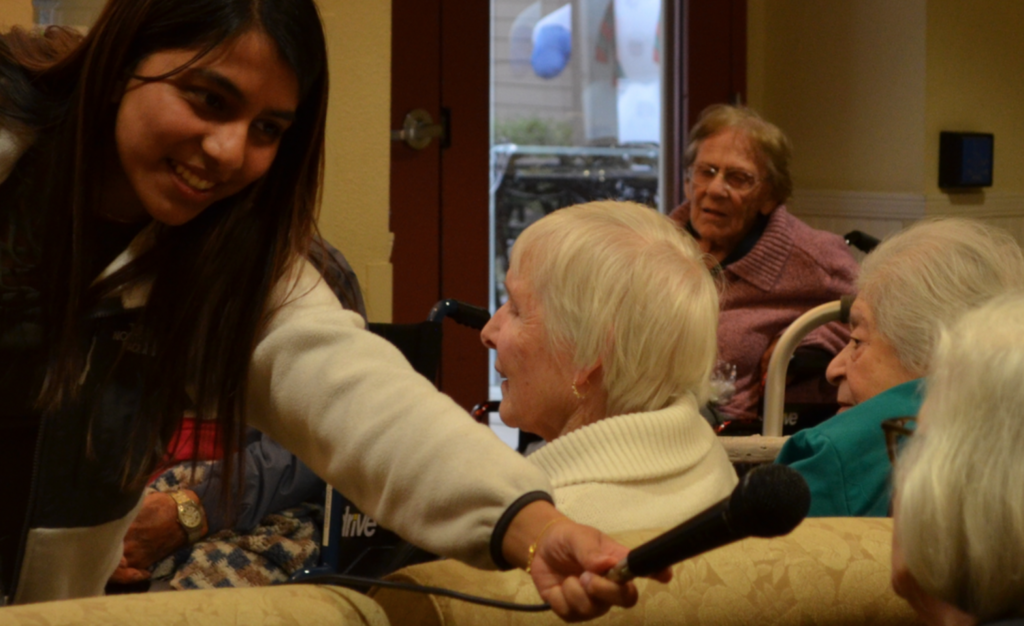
[(190, 517)]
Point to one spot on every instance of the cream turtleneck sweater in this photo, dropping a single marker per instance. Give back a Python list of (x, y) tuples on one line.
[(640, 470)]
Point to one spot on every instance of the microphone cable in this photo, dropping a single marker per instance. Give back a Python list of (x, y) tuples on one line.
[(356, 582)]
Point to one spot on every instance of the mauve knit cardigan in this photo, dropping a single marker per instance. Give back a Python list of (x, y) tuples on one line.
[(791, 269)]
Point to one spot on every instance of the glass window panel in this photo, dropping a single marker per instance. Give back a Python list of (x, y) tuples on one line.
[(78, 13), (576, 92)]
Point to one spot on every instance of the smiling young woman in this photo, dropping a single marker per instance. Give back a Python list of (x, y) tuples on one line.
[(152, 139), (201, 135), (159, 180)]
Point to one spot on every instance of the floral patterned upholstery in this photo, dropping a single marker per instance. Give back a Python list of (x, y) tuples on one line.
[(284, 605), (827, 571)]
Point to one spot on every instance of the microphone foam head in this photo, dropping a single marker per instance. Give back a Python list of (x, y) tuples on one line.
[(769, 501)]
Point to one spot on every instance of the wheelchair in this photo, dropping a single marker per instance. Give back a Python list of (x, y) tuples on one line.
[(353, 543)]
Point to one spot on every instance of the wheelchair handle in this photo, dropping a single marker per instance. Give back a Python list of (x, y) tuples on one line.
[(775, 382), (861, 240), (462, 313)]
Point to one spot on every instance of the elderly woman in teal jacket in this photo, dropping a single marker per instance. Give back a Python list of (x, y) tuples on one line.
[(914, 284)]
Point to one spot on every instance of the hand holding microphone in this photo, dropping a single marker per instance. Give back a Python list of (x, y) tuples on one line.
[(769, 501)]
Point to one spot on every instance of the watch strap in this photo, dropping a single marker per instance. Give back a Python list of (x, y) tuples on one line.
[(190, 515)]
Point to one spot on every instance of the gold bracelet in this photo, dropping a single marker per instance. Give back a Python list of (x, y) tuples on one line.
[(533, 547)]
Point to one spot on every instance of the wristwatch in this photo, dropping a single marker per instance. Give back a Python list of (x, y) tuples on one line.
[(190, 515)]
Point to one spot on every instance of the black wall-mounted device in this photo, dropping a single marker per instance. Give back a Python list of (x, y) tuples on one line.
[(965, 160)]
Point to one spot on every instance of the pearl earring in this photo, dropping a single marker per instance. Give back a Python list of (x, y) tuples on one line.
[(576, 392)]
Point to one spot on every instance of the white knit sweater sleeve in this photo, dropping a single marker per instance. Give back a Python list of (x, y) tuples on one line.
[(349, 405)]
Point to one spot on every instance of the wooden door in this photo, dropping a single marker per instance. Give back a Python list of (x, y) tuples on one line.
[(706, 63), (439, 195)]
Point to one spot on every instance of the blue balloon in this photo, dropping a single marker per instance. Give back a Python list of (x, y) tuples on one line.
[(551, 51)]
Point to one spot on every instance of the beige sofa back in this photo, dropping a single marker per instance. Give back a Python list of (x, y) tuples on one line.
[(285, 605), (827, 571)]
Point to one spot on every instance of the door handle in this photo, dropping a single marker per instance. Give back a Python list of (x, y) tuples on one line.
[(418, 130)]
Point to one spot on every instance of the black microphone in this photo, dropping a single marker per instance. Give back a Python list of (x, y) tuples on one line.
[(770, 501)]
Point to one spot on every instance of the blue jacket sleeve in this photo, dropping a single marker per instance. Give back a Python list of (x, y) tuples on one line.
[(275, 479), (818, 462)]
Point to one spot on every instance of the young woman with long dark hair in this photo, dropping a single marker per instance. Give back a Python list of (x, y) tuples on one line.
[(161, 180)]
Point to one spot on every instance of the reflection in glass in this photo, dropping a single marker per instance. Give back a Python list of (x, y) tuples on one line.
[(575, 110)]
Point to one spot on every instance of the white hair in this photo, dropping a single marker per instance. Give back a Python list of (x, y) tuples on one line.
[(960, 501), (930, 274), (622, 284)]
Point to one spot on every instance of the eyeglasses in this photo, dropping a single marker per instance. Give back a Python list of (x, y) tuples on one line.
[(735, 180), (897, 431)]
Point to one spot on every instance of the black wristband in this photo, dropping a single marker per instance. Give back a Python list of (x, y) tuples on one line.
[(498, 536)]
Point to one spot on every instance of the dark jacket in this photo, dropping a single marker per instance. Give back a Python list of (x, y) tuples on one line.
[(64, 478)]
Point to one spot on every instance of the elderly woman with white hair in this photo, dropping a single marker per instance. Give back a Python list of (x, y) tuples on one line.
[(774, 266), (958, 540), (605, 346), (910, 286)]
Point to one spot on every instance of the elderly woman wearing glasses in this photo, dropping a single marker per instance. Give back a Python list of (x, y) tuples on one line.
[(775, 267), (605, 345), (910, 286), (958, 539)]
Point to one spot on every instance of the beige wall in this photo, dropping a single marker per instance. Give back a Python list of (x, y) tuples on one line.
[(845, 81), (355, 200), (976, 82), (863, 88), (15, 13)]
